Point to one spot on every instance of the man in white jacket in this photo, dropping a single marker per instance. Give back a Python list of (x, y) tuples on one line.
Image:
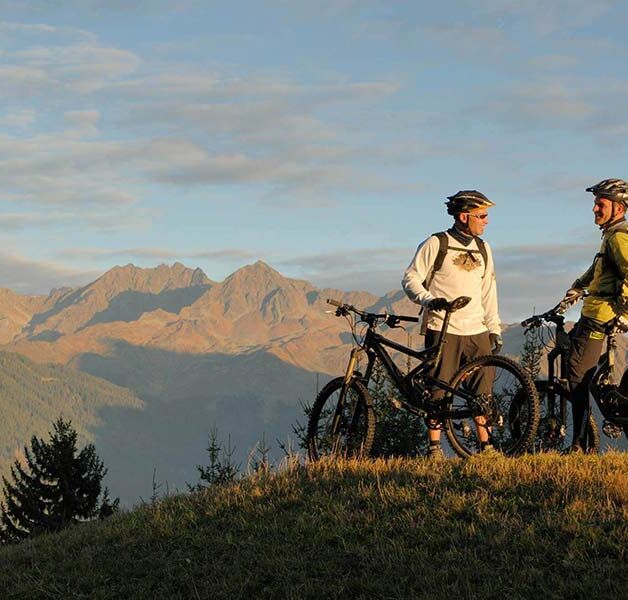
[(451, 264)]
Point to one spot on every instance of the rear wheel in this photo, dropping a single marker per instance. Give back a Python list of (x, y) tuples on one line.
[(341, 424), (497, 383), (553, 433)]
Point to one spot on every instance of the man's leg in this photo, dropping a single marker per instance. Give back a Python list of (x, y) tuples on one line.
[(586, 346), (445, 370), (474, 347)]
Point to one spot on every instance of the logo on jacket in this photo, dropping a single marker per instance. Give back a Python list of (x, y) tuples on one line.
[(467, 262)]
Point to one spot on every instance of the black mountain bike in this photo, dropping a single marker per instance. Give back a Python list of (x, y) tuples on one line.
[(555, 425), (342, 419)]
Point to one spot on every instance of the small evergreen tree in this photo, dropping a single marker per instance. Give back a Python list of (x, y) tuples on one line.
[(220, 468), (532, 354), (56, 487), (399, 432)]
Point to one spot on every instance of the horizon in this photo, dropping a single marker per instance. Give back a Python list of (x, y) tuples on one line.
[(321, 138)]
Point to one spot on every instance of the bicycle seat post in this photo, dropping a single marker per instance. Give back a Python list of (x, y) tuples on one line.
[(441, 337)]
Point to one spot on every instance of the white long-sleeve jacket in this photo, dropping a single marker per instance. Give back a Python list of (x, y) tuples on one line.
[(462, 274)]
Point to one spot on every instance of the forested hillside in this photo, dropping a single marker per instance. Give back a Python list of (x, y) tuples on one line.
[(33, 395)]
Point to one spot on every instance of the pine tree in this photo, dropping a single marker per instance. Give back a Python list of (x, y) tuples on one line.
[(532, 354), (58, 486), (220, 468)]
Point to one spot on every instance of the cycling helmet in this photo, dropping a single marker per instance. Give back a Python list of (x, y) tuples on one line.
[(613, 189), (466, 200)]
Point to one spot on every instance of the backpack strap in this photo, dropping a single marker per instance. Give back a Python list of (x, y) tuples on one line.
[(443, 245), (483, 251), (605, 255)]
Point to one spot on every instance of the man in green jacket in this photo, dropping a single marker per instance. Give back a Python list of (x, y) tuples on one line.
[(606, 281)]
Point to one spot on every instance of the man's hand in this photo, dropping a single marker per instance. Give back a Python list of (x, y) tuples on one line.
[(438, 304), (621, 324), (496, 342), (572, 295)]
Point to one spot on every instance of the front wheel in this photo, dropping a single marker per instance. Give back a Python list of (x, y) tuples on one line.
[(495, 382), (342, 421)]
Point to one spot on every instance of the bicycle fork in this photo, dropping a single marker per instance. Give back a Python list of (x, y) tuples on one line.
[(336, 422)]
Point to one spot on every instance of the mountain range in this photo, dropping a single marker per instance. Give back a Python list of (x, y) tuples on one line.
[(184, 354)]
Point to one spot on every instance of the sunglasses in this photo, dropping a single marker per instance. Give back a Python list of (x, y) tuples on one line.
[(482, 217)]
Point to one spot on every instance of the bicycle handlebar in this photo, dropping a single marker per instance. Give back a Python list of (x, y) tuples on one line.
[(392, 320), (554, 315)]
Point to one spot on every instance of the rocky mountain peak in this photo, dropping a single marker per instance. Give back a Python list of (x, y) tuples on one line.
[(150, 280), (259, 270)]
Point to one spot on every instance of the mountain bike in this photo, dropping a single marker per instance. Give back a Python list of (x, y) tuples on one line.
[(342, 420), (555, 426)]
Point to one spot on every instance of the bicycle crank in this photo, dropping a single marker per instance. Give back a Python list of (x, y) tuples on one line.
[(611, 430)]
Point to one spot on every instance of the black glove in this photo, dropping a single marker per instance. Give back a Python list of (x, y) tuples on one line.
[(496, 342), (438, 304)]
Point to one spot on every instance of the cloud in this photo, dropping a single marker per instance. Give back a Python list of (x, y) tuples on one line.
[(33, 277), (584, 106), (187, 127), (20, 119), (77, 69), (152, 254), (101, 7), (528, 276), (41, 61), (7, 27), (82, 123), (57, 220), (546, 18)]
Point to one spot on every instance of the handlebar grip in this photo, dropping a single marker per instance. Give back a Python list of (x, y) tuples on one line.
[(334, 302), (409, 319), (528, 322)]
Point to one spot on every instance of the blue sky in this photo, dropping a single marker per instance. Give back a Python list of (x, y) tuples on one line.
[(321, 137)]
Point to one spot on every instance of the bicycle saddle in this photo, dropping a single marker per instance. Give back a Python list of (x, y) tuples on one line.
[(459, 303)]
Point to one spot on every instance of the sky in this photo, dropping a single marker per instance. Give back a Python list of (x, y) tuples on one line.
[(319, 136)]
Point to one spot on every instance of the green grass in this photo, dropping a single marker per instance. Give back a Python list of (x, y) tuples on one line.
[(534, 527)]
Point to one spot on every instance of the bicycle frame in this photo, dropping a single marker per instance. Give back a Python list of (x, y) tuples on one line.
[(374, 345)]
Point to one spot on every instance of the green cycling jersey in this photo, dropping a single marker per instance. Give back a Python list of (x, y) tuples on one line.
[(607, 278)]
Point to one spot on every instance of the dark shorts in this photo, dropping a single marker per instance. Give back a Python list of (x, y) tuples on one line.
[(458, 350), (587, 341)]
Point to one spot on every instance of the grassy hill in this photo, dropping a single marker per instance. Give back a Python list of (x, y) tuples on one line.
[(535, 527)]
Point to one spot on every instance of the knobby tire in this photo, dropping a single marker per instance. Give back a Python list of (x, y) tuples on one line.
[(356, 427), (462, 433)]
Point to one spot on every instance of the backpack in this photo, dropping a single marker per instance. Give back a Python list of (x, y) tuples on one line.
[(443, 240)]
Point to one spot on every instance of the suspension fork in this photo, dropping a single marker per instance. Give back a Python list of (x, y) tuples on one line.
[(554, 380), (353, 362)]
